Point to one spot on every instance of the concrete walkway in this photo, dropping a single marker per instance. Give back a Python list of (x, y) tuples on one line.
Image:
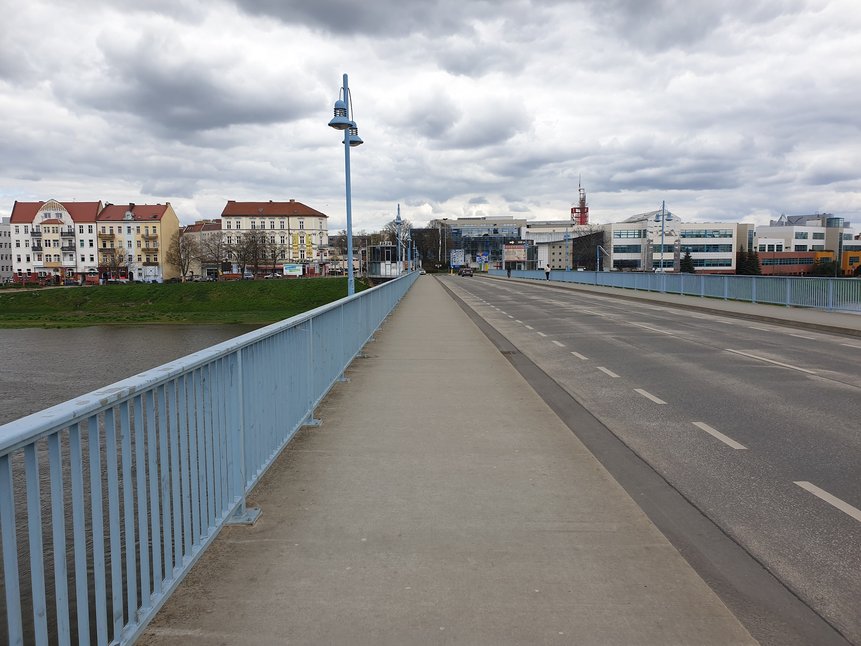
[(441, 502)]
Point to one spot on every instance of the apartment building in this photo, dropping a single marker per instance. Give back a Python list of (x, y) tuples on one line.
[(297, 233), (133, 240), (54, 241), (5, 251), (211, 251)]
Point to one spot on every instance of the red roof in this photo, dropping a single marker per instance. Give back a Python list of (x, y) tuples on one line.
[(269, 209), (140, 212), (25, 212), (51, 221), (203, 225)]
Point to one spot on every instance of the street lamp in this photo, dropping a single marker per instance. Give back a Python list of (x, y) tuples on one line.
[(398, 223), (342, 121)]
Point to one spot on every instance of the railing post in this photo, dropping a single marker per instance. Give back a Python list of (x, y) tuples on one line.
[(788, 292), (753, 290), (830, 304), (243, 515), (725, 287)]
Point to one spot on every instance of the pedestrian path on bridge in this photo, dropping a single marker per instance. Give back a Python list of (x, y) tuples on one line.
[(441, 502)]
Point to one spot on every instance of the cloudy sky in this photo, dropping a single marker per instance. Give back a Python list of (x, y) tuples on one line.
[(726, 109)]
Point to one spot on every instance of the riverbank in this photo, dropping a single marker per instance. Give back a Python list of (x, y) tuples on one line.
[(255, 302)]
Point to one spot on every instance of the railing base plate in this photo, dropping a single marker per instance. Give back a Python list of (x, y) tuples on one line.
[(312, 421), (248, 516)]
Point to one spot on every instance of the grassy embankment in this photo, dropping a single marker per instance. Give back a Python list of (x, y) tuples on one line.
[(252, 302)]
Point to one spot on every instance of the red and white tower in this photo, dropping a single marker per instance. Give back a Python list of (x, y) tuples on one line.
[(580, 213)]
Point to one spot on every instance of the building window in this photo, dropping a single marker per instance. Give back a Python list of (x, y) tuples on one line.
[(92, 258), (83, 258), (129, 244), (801, 247), (819, 236), (281, 223), (81, 245), (80, 228), (228, 223), (801, 235), (629, 233), (128, 231), (271, 224), (138, 229), (301, 224), (139, 258)]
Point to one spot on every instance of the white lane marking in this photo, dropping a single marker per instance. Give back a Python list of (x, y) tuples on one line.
[(725, 322), (501, 312), (580, 356), (761, 329), (777, 363), (561, 345), (831, 500), (801, 336), (608, 372), (541, 334), (849, 345), (649, 395), (653, 329), (509, 316), (529, 327), (715, 433), (518, 321)]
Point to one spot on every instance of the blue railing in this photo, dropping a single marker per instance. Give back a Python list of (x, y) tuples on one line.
[(153, 466), (838, 294)]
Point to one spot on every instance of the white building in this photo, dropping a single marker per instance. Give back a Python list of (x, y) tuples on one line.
[(300, 232), (657, 241), (54, 241)]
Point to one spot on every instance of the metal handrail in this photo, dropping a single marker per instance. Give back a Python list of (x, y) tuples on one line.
[(832, 294), (154, 465)]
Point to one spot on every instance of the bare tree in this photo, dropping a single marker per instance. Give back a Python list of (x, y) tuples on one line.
[(211, 249), (181, 251), (113, 261)]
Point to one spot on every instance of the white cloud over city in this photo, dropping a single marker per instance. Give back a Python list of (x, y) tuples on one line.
[(727, 110)]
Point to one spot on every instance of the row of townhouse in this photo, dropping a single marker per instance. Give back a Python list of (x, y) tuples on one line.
[(87, 242), (658, 240), (290, 232)]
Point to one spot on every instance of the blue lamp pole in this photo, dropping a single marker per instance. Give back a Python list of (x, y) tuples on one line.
[(342, 121)]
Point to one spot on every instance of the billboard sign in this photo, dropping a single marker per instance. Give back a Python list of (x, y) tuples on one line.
[(292, 270), (514, 253), (457, 259)]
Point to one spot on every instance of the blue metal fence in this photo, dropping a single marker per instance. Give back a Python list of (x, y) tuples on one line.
[(121, 490), (839, 294)]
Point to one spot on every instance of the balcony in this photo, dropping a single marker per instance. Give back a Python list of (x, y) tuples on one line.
[(36, 234), (106, 236), (150, 248), (150, 236), (68, 248), (150, 264), (68, 233), (36, 247)]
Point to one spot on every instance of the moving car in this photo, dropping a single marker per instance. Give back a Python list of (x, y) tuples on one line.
[(465, 271)]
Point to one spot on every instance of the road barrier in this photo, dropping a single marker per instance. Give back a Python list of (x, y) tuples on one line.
[(837, 294), (153, 466)]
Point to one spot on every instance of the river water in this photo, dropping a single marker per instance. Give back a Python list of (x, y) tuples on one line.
[(44, 367)]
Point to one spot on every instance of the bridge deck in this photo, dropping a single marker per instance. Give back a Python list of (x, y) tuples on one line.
[(441, 501)]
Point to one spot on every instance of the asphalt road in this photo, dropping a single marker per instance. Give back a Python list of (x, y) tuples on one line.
[(757, 425)]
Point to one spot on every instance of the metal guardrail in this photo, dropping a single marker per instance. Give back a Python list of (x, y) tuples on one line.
[(154, 466), (837, 294)]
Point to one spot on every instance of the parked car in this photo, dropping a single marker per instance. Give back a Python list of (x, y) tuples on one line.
[(465, 271)]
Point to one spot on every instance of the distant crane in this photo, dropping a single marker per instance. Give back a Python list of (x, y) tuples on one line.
[(580, 213)]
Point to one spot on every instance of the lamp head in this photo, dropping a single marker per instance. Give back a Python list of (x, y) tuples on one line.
[(340, 120), (353, 134)]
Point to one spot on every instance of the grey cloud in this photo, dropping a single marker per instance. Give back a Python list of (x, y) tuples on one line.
[(479, 200), (381, 17), (178, 91)]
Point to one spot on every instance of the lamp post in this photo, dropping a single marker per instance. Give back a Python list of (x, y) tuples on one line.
[(341, 121), (398, 223)]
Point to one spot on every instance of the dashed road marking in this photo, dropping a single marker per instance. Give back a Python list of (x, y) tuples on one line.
[(845, 507), (518, 321), (715, 433), (761, 329), (529, 327), (541, 334), (608, 372), (849, 345), (777, 363), (561, 345), (649, 395), (801, 336), (580, 356), (509, 316)]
